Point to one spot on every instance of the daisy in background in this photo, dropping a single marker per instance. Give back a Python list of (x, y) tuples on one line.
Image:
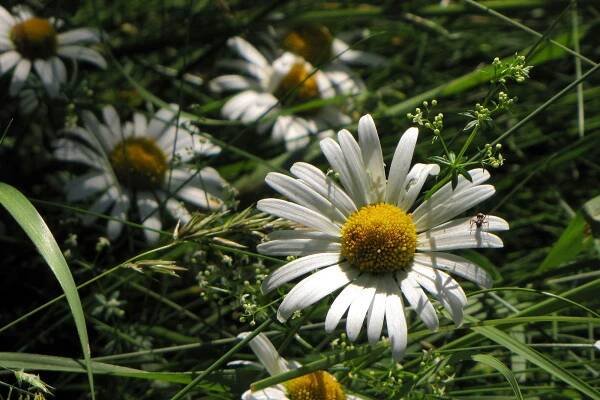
[(142, 161), (266, 87), (369, 239), (28, 42), (313, 386)]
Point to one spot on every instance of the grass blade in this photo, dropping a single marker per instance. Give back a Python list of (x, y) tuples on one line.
[(36, 229), (493, 362)]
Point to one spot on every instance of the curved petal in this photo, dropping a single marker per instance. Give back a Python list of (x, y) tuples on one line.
[(395, 319), (20, 75), (247, 51), (299, 247), (372, 155), (456, 265), (340, 305), (314, 288), (356, 166), (298, 267), (360, 305), (226, 83), (418, 301), (83, 54), (414, 183), (78, 36), (376, 312), (333, 152), (8, 60), (46, 74), (299, 214), (266, 353), (148, 209), (325, 186), (400, 165), (298, 192)]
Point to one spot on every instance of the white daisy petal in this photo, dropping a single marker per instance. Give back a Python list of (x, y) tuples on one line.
[(46, 74), (335, 157), (340, 305), (395, 319), (314, 288), (325, 186), (59, 69), (376, 312), (102, 204), (83, 54), (112, 120), (235, 107), (20, 75), (247, 51), (258, 73), (8, 60), (414, 183), (161, 122), (432, 213), (457, 265), (5, 43), (356, 166), (87, 185), (418, 301), (6, 17), (298, 192), (298, 247), (102, 138), (400, 165), (299, 214), (265, 394), (431, 241), (68, 150), (266, 353), (148, 209), (177, 210), (225, 83), (360, 306), (372, 156), (78, 36), (119, 213), (298, 267), (140, 124), (344, 53), (445, 289)]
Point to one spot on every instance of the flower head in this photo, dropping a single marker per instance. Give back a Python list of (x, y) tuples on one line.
[(28, 41), (369, 239), (142, 158), (318, 385), (289, 81)]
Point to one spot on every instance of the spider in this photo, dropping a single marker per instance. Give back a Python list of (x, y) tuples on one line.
[(479, 220)]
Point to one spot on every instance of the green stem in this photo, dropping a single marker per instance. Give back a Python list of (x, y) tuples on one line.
[(221, 360)]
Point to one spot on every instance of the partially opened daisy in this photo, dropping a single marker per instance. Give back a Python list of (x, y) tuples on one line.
[(28, 42), (142, 161), (267, 87), (318, 45), (368, 238), (318, 385)]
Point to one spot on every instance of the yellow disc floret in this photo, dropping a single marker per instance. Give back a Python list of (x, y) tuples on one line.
[(139, 163), (319, 385), (379, 238), (298, 86), (313, 42), (34, 38)]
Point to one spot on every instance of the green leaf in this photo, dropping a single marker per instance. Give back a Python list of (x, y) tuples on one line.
[(40, 362), (503, 369), (537, 358), (568, 245), (36, 229)]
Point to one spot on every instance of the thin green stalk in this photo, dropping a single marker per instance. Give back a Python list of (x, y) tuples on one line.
[(94, 279), (221, 360), (580, 109)]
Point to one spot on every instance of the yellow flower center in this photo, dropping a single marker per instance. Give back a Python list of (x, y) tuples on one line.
[(379, 238), (139, 163), (313, 42), (298, 86), (34, 38), (319, 385)]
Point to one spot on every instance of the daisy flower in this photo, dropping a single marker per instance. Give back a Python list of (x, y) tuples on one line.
[(317, 45), (142, 161), (287, 81), (313, 386), (27, 42), (369, 239)]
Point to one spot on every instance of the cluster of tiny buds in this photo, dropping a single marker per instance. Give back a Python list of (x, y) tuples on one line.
[(493, 155), (420, 119), (342, 343), (102, 243), (515, 69)]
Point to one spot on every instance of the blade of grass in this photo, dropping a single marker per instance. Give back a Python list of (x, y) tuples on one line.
[(493, 362), (36, 229)]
